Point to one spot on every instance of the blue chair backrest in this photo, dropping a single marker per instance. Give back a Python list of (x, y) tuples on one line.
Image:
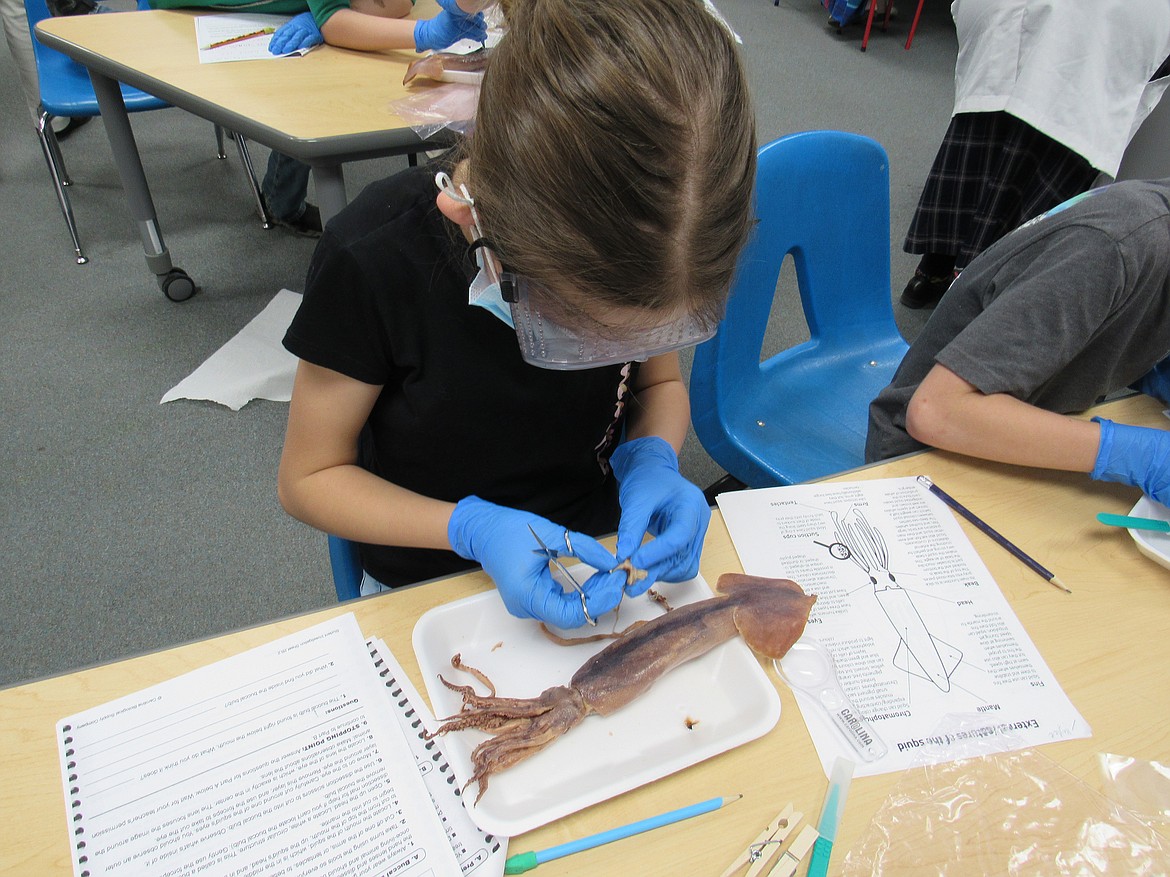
[(346, 565), (65, 86), (822, 197)]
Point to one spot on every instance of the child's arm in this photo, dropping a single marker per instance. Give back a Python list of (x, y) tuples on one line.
[(350, 29), (661, 405), (320, 483), (949, 413), (361, 29), (382, 8)]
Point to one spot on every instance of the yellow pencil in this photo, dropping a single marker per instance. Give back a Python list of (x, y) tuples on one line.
[(247, 36)]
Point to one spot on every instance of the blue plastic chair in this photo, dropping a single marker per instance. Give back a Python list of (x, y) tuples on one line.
[(347, 568), (822, 197), (66, 90)]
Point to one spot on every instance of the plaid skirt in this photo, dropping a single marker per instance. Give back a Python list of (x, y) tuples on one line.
[(992, 173)]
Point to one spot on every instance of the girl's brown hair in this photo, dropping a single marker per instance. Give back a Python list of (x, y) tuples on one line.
[(614, 155)]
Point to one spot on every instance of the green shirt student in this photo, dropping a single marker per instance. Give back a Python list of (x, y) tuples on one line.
[(365, 25)]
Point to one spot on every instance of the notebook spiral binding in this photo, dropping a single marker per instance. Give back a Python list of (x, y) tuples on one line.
[(416, 724), (75, 804)]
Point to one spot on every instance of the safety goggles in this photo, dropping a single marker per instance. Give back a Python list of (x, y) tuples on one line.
[(548, 344)]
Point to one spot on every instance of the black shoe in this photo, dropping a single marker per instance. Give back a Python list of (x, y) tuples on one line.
[(307, 225), (71, 7), (925, 292)]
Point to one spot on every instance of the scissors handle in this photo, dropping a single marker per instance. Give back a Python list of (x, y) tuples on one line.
[(554, 557)]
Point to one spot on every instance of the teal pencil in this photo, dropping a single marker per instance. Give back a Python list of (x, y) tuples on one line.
[(522, 862)]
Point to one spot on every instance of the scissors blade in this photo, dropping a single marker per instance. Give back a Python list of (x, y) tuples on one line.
[(554, 558), (544, 549)]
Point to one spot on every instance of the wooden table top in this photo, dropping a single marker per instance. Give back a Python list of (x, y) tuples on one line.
[(1108, 644), (330, 99)]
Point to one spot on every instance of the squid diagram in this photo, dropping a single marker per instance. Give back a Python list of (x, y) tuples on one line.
[(919, 652)]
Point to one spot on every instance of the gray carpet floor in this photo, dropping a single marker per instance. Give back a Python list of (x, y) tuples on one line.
[(126, 525)]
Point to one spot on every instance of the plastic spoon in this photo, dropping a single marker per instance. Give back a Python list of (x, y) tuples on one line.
[(808, 666)]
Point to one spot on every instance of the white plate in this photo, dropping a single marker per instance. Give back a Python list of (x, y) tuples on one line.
[(725, 692), (1151, 543)]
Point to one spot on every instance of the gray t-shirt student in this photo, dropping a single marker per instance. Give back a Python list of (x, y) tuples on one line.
[(1064, 310)]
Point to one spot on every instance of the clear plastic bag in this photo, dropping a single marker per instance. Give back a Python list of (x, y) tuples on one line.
[(450, 105), (1140, 786), (1002, 812)]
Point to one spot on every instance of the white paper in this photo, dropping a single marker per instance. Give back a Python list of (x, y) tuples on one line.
[(219, 37), (480, 854), (252, 365), (286, 759), (917, 627)]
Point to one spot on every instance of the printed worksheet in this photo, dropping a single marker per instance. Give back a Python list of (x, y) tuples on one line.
[(286, 759), (239, 36), (918, 630)]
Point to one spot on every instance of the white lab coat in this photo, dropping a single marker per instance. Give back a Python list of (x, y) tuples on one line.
[(1076, 70)]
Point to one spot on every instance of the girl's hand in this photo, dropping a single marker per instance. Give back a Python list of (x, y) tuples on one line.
[(1135, 455), (656, 499), (300, 32), (467, 9), (498, 538), (444, 29)]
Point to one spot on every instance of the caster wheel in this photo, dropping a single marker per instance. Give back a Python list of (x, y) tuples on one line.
[(177, 286)]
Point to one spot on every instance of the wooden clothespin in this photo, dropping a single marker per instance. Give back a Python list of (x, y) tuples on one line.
[(789, 860), (759, 852)]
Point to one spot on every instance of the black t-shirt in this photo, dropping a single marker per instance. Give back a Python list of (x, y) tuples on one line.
[(460, 412)]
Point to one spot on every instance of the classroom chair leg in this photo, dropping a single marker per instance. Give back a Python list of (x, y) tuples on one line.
[(868, 24), (250, 171), (869, 21), (914, 24), (56, 163)]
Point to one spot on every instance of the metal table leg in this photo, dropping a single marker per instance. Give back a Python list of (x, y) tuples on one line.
[(329, 180), (174, 282)]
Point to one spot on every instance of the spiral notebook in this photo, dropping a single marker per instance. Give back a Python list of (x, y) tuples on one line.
[(479, 853), (303, 755)]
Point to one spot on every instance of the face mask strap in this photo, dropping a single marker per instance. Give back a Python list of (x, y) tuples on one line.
[(507, 279), (444, 184), (462, 196)]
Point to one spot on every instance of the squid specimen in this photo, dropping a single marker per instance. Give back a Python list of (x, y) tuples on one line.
[(449, 67), (770, 614)]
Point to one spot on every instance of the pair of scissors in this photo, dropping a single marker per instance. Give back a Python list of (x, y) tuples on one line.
[(554, 557)]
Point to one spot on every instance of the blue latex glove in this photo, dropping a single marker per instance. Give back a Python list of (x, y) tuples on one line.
[(300, 32), (454, 8), (657, 500), (1155, 382), (498, 538), (444, 29), (1134, 455)]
